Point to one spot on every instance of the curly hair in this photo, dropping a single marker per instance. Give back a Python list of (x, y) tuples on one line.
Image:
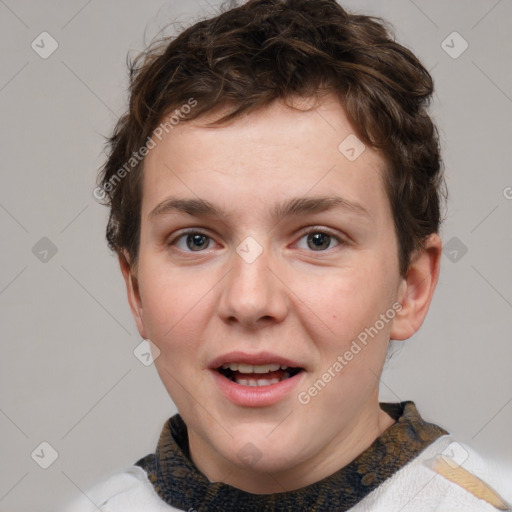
[(247, 57)]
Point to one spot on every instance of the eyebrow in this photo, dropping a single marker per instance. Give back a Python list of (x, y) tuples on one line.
[(295, 206)]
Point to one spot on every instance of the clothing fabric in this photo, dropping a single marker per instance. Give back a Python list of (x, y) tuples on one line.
[(413, 466)]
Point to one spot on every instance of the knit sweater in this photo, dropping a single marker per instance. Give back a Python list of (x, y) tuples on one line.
[(413, 466)]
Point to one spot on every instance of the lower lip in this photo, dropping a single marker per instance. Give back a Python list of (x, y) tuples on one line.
[(256, 396)]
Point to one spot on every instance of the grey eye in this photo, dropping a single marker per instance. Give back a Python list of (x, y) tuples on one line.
[(194, 242), (319, 241)]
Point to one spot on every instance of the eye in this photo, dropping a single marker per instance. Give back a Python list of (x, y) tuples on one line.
[(320, 240), (317, 240), (192, 241)]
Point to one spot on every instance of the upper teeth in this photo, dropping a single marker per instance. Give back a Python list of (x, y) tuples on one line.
[(249, 368)]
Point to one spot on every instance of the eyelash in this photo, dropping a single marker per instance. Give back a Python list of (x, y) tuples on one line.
[(313, 230)]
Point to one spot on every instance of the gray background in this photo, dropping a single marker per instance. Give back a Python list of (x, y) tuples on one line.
[(68, 375)]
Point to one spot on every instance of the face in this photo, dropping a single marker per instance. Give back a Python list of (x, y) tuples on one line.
[(265, 255)]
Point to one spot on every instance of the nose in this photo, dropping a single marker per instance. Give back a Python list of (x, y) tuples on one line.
[(253, 293)]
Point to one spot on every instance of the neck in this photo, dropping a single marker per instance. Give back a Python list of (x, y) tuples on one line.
[(355, 438)]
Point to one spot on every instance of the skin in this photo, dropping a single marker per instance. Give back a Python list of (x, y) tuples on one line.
[(296, 300)]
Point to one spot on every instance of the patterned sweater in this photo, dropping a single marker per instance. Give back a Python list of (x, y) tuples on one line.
[(413, 466)]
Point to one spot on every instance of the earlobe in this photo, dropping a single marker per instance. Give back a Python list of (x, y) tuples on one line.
[(417, 288), (132, 291)]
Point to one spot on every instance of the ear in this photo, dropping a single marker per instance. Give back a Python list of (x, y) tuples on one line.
[(417, 288), (132, 290)]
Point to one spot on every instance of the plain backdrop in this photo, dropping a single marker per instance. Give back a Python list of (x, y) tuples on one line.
[(68, 375)]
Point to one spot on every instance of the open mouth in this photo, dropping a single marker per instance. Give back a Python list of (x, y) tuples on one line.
[(257, 375)]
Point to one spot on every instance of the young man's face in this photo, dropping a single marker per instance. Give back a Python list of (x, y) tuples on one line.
[(264, 284)]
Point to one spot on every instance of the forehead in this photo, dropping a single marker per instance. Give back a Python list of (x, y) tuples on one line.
[(265, 158)]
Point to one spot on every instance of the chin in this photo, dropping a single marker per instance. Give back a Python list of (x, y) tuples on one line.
[(254, 450)]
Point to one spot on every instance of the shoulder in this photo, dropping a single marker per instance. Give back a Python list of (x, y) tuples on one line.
[(446, 476), (126, 491)]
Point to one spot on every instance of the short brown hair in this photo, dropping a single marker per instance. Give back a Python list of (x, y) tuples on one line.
[(265, 50)]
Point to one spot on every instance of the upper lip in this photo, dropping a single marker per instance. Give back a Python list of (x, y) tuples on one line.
[(258, 358)]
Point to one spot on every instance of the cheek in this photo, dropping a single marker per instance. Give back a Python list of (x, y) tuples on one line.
[(342, 303), (350, 343), (175, 315), (173, 309)]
